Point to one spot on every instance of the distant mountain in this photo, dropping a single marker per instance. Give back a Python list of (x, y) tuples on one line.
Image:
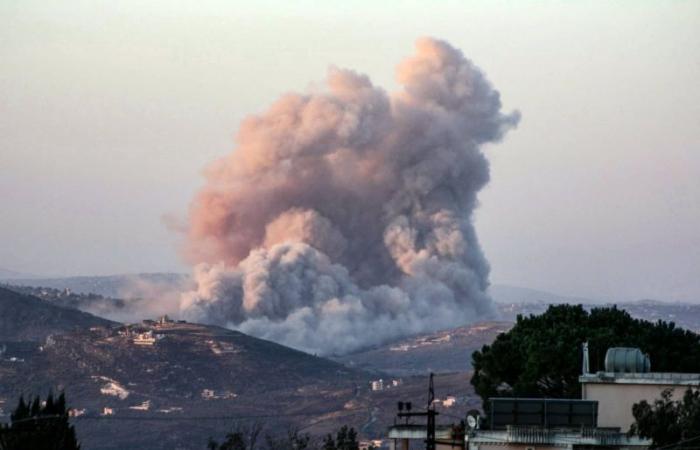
[(106, 307), (440, 352), (450, 350), (177, 370), (27, 318), (6, 274), (503, 293), (684, 315), (112, 286)]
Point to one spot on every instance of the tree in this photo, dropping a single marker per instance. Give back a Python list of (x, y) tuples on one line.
[(292, 441), (345, 439), (668, 422), (241, 438), (247, 438), (541, 355), (41, 426)]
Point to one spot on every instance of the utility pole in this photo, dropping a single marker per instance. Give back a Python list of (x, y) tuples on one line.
[(429, 414), (430, 441)]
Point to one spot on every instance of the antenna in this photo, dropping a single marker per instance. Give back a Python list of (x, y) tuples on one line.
[(430, 441), (431, 391)]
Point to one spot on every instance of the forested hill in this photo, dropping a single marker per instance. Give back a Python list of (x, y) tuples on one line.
[(27, 318)]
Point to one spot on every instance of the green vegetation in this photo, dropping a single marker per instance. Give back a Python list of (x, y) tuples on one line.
[(39, 426), (247, 437), (668, 422), (541, 355), (345, 439)]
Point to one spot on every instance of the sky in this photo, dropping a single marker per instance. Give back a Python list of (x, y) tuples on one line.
[(109, 112)]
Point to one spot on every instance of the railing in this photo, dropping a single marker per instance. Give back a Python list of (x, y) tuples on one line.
[(540, 435)]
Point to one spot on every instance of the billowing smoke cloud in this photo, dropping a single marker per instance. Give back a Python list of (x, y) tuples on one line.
[(344, 218)]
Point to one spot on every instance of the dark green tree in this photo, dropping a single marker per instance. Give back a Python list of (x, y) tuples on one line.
[(39, 426), (667, 422), (292, 441), (245, 437), (541, 355), (242, 437), (345, 439)]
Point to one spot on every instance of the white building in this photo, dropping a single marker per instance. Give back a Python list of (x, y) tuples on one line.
[(449, 401), (73, 412), (377, 385), (146, 339), (145, 406)]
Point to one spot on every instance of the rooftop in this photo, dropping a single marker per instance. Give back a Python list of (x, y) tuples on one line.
[(664, 378)]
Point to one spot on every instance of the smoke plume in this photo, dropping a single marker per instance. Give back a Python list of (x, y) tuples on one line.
[(343, 218)]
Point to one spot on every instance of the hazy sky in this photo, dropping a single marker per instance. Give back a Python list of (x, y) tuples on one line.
[(110, 110)]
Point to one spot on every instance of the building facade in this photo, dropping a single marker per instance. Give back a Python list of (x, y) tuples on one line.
[(617, 392)]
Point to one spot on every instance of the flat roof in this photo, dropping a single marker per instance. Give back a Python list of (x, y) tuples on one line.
[(661, 378)]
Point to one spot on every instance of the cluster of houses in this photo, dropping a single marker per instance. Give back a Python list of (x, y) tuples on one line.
[(380, 385), (143, 335), (109, 411), (600, 419)]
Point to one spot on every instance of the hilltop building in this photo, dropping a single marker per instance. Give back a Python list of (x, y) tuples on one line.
[(380, 385), (146, 338), (164, 320)]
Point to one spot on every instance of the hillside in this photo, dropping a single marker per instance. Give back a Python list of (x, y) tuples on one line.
[(27, 318), (441, 352), (185, 371)]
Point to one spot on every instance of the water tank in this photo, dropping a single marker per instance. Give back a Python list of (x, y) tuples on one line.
[(626, 360)]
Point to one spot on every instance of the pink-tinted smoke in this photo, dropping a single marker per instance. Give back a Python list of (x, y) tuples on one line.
[(344, 218)]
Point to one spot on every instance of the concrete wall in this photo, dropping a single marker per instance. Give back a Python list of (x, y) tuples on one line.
[(615, 400)]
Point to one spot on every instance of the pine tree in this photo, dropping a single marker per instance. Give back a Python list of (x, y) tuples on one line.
[(329, 443), (39, 427)]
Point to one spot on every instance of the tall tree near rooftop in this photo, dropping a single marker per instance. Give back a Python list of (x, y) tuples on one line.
[(41, 426), (541, 355), (667, 422)]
